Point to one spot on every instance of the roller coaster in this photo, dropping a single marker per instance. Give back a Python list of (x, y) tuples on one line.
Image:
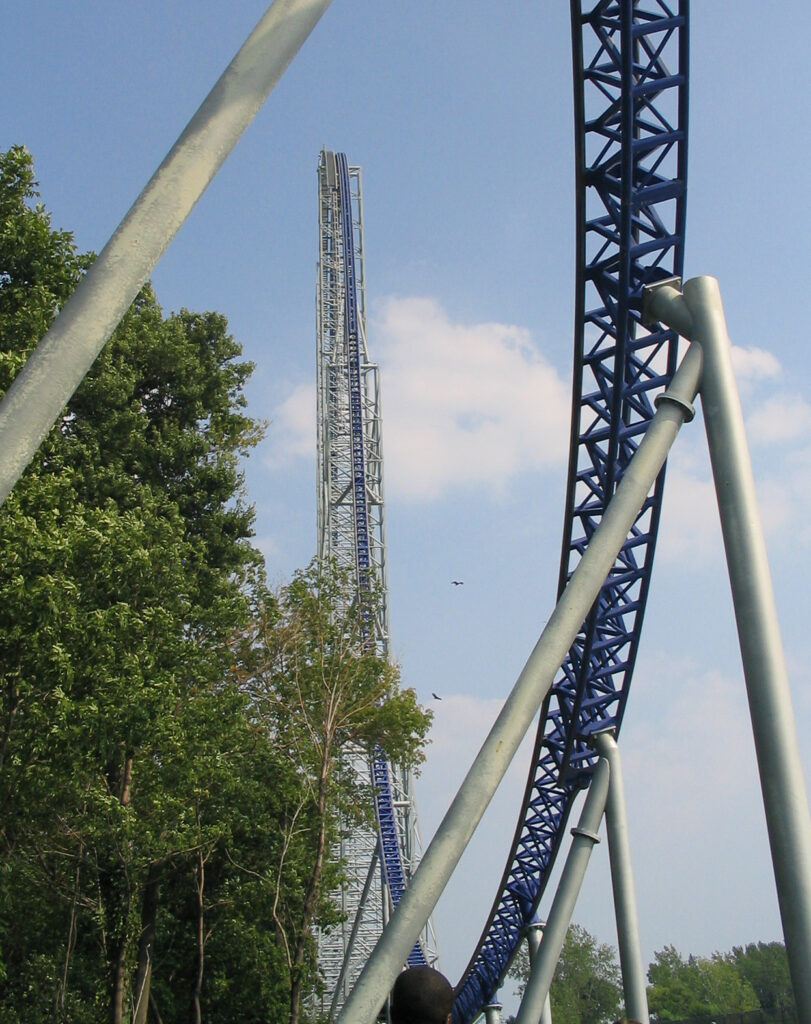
[(631, 394), (630, 87), (630, 71)]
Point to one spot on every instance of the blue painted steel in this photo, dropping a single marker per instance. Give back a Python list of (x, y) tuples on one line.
[(391, 854), (630, 76)]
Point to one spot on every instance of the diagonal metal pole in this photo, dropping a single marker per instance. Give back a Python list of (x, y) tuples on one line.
[(622, 884), (66, 352), (534, 937), (699, 315), (584, 838), (523, 703)]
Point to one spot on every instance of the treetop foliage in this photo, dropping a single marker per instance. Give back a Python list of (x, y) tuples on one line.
[(587, 986), (171, 733)]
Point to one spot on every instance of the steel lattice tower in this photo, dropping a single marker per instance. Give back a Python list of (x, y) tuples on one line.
[(351, 532)]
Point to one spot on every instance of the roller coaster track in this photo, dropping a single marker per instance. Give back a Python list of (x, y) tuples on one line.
[(391, 854), (630, 104)]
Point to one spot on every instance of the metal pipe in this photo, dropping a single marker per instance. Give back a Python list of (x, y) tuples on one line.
[(622, 883), (585, 838), (781, 773), (492, 1013), (66, 352), (534, 936), (523, 703)]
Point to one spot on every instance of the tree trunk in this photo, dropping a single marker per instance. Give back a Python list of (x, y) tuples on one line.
[(311, 894), (200, 881), (116, 896), (118, 982), (62, 990), (146, 943)]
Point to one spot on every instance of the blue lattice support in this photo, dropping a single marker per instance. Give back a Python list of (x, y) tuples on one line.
[(630, 68)]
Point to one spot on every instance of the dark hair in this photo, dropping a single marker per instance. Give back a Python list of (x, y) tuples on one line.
[(421, 995)]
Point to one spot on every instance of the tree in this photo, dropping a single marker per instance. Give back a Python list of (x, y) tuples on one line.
[(173, 738), (126, 569), (586, 985), (696, 986), (765, 966), (324, 694)]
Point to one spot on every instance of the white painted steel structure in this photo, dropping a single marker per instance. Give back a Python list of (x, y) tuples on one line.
[(365, 900)]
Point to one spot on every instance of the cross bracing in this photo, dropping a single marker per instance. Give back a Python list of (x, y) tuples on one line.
[(351, 532), (630, 69)]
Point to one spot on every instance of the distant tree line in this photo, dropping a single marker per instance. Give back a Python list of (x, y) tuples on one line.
[(748, 985), (171, 786)]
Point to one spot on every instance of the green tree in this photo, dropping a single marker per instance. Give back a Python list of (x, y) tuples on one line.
[(325, 695), (696, 986), (586, 986), (127, 567), (174, 740), (765, 966)]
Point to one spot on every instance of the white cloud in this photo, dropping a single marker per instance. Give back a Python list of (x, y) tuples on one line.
[(753, 364), (465, 405), (292, 428), (782, 417), (690, 524)]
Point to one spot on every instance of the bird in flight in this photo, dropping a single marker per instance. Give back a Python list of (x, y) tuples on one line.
[(457, 583), (435, 696)]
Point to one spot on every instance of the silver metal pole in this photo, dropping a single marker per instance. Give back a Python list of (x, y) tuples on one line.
[(584, 840), (523, 703), (534, 936), (80, 331), (622, 883), (781, 776), (492, 1013)]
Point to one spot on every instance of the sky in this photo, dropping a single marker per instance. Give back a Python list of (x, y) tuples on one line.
[(460, 115)]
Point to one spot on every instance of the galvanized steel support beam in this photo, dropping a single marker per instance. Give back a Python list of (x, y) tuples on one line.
[(698, 314), (534, 936), (584, 839), (522, 705), (66, 352), (622, 883)]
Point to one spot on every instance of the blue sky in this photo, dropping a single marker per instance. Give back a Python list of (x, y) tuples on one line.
[(460, 115)]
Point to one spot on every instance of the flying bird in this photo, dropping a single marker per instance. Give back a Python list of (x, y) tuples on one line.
[(435, 696), (457, 583)]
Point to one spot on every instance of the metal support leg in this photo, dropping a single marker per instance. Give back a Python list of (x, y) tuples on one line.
[(522, 705), (700, 316), (492, 1013), (66, 352), (622, 882), (534, 936), (585, 838)]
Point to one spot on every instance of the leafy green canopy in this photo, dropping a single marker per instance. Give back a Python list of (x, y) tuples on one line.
[(173, 737), (331, 701), (127, 567), (586, 986), (752, 978)]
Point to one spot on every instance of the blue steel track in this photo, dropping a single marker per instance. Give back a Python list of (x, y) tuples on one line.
[(630, 61), (391, 854)]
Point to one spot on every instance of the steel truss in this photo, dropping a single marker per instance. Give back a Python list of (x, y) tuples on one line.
[(351, 531), (630, 77)]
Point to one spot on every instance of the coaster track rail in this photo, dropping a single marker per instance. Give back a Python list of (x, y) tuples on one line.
[(630, 64)]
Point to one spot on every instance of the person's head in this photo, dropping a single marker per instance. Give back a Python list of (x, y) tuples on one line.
[(421, 995)]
